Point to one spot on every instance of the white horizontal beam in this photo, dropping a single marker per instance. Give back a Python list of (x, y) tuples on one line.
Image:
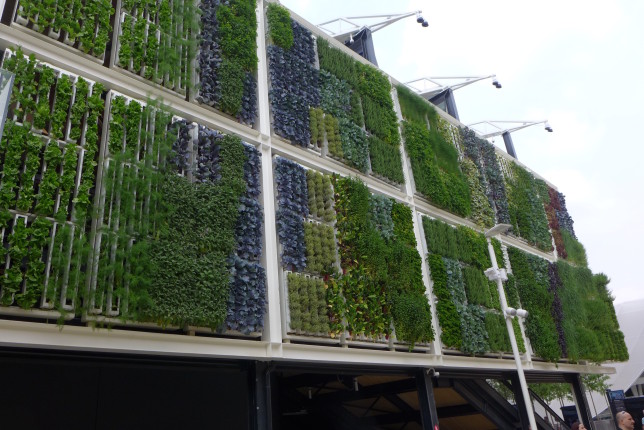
[(20, 334)]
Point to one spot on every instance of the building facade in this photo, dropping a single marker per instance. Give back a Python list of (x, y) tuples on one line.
[(214, 215)]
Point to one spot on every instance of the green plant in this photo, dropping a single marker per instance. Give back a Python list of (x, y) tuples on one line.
[(448, 317), (576, 253), (436, 174), (43, 108), (403, 224), (527, 214), (307, 304), (125, 42), (377, 272), (385, 160), (237, 20), (317, 126), (32, 145), (355, 147), (414, 108), (279, 23), (67, 181), (381, 121), (531, 281), (482, 211), (497, 332), (320, 196), (589, 323), (79, 107), (320, 248), (412, 318), (332, 127), (61, 107)]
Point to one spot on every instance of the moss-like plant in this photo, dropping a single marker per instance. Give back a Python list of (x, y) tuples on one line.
[(385, 160), (436, 174), (279, 23), (527, 214)]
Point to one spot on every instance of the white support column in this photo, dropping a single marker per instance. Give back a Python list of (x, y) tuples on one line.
[(497, 276), (264, 114), (273, 318), (421, 246)]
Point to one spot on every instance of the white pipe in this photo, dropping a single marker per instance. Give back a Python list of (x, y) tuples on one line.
[(513, 339)]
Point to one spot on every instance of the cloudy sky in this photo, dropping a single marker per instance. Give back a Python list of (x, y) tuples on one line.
[(577, 63)]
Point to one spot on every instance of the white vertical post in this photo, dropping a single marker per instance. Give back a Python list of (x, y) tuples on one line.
[(273, 318), (513, 339)]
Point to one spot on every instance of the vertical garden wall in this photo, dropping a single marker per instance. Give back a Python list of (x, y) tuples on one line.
[(48, 153), (82, 24), (372, 280), (114, 210), (180, 240), (228, 58), (468, 307), (571, 311), (343, 108)]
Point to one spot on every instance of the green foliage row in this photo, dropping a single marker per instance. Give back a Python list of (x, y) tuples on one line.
[(482, 213), (162, 46), (371, 100), (316, 120), (336, 96), (237, 35), (38, 178), (527, 214), (320, 196), (307, 304), (589, 321), (382, 277), (457, 259), (497, 332), (355, 146), (460, 243), (333, 137), (438, 179), (381, 121), (238, 32), (279, 25), (385, 160), (320, 248), (84, 24), (531, 280), (575, 251), (448, 316), (189, 277), (380, 215), (414, 108)]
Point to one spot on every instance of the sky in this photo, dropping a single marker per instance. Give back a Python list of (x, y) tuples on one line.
[(577, 63)]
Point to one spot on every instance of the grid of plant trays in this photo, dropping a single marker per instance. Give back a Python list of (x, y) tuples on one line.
[(306, 227), (132, 134), (157, 41), (128, 202), (48, 154), (306, 220), (85, 25)]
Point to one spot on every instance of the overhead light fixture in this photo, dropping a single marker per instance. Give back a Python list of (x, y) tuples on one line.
[(497, 84), (351, 39), (425, 24), (548, 128), (419, 19)]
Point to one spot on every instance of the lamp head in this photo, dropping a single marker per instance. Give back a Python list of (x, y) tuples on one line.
[(548, 127), (425, 23), (496, 83)]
